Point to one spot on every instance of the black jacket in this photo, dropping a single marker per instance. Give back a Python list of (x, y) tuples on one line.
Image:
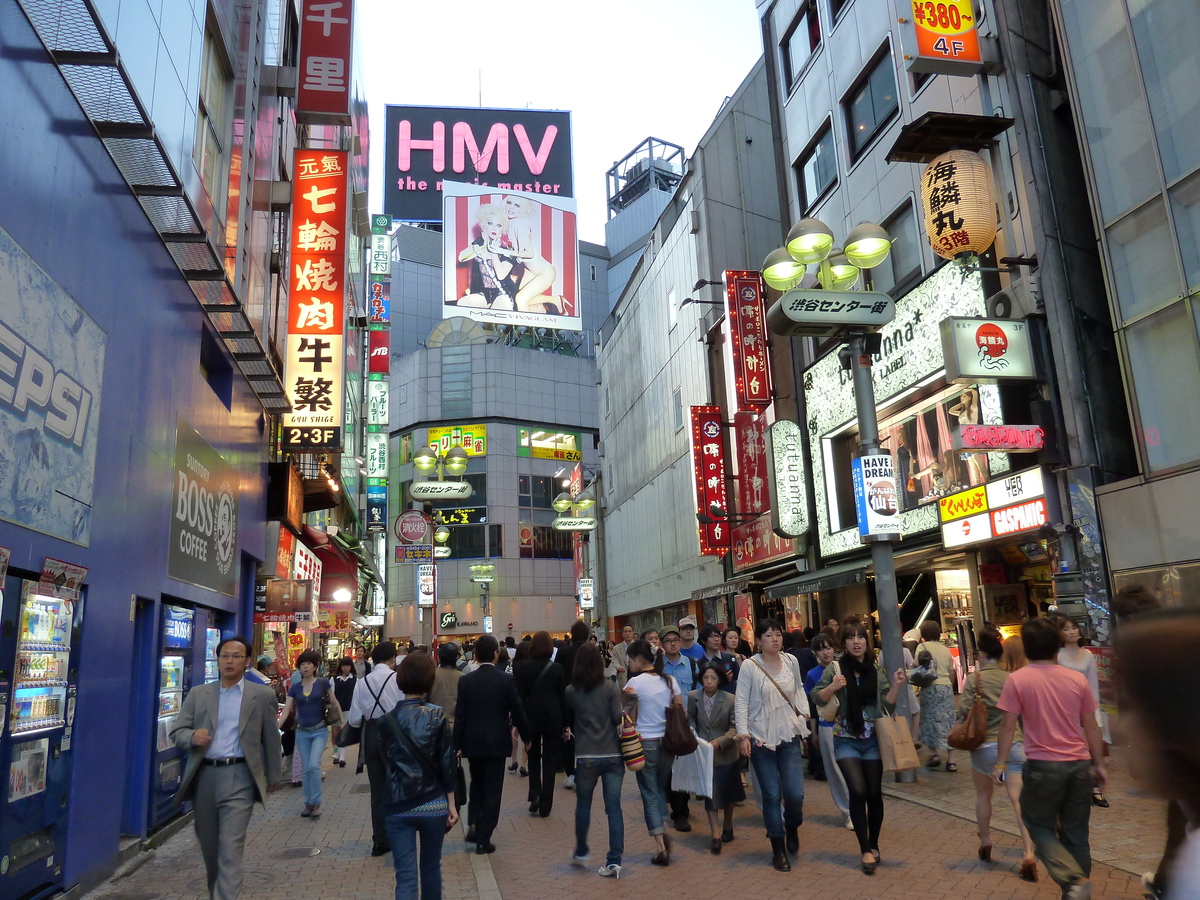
[(414, 777), (487, 703), (543, 686)]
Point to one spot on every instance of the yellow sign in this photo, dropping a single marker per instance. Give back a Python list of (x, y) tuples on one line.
[(546, 444), (965, 503), (472, 438)]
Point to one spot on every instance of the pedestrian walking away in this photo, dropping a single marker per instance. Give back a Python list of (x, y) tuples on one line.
[(647, 695), (375, 696), (229, 731), (710, 713), (417, 748), (309, 698), (542, 686), (1058, 715), (593, 725), (863, 694), (771, 714), (566, 659), (937, 699)]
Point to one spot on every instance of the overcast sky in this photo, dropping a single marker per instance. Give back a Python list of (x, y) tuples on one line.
[(626, 69)]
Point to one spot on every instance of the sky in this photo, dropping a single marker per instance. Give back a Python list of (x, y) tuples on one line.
[(626, 70)]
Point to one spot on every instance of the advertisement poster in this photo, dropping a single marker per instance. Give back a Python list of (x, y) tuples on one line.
[(27, 772), (510, 257), (64, 579), (51, 370), (204, 515)]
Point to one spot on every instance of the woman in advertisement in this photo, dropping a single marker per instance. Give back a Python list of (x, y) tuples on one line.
[(489, 287), (532, 274)]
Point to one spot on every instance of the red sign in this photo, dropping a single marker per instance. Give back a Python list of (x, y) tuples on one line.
[(326, 32), (708, 462), (1014, 438), (412, 526), (947, 41), (754, 544), (1028, 516), (380, 344), (748, 339)]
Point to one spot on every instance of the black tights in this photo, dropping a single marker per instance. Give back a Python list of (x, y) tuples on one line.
[(864, 780)]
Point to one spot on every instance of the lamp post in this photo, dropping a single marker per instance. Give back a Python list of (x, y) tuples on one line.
[(575, 514), (810, 242)]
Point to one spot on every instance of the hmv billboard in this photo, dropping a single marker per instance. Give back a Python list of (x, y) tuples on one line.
[(508, 149)]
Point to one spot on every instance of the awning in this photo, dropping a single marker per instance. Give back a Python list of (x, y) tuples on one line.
[(734, 586), (835, 576)]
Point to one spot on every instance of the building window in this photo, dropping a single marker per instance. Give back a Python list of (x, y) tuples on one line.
[(672, 310), (872, 103), (456, 382), (535, 492), (903, 264), (467, 542), (593, 273), (212, 125), (918, 80), (801, 41), (816, 169), (543, 542), (836, 7), (677, 400)]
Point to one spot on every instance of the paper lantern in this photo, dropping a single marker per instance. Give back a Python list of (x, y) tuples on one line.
[(959, 203)]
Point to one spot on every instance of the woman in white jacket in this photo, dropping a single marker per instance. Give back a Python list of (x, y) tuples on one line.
[(770, 713)]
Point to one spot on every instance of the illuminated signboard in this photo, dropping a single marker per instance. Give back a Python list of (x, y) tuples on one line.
[(326, 39), (981, 350), (1011, 438), (785, 479), (315, 365), (875, 497), (941, 39), (379, 350), (1012, 505), (587, 593), (472, 438), (545, 443), (426, 584), (708, 463), (377, 402), (748, 339)]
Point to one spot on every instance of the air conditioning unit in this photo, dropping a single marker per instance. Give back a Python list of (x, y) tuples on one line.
[(1016, 301)]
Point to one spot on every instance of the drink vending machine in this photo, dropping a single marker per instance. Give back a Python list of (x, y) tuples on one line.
[(39, 645)]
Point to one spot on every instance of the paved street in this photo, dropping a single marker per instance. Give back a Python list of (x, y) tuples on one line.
[(928, 847)]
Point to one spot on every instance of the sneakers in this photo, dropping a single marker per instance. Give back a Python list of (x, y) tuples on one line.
[(849, 824), (569, 783), (1080, 890), (609, 871), (307, 811), (579, 859)]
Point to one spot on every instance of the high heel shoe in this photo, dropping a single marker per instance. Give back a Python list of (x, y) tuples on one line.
[(715, 847), (868, 868), (661, 858), (524, 772), (985, 852), (1098, 798), (1029, 870), (513, 767), (934, 762)]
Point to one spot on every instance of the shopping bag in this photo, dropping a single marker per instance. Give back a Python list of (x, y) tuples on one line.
[(896, 746), (693, 773)]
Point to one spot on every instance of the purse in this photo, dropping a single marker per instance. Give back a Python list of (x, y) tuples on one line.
[(333, 710), (829, 711), (631, 745), (926, 673), (971, 732), (678, 739)]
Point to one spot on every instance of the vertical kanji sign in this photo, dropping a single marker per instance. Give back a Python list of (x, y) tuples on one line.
[(708, 461), (748, 339), (326, 33), (315, 366)]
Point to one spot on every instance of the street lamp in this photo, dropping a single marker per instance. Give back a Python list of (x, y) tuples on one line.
[(811, 242), (427, 460)]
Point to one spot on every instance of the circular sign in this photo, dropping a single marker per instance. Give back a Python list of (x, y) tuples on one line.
[(412, 526), (991, 340), (510, 626), (882, 497)]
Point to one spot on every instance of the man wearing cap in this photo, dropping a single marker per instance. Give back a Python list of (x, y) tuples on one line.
[(687, 631), (684, 670)]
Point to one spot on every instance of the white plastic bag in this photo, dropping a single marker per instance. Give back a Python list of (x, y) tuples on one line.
[(694, 773)]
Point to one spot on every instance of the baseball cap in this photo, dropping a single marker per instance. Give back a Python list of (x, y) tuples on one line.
[(687, 622), (670, 629)]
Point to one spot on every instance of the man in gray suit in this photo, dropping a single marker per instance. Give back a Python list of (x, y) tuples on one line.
[(228, 728)]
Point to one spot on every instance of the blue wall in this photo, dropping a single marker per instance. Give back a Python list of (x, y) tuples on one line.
[(63, 200)]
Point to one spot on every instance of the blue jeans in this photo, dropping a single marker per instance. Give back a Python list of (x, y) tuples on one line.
[(653, 780), (780, 774), (402, 833), (587, 772), (1056, 805), (310, 745)]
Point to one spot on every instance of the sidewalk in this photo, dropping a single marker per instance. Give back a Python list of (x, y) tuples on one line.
[(928, 848)]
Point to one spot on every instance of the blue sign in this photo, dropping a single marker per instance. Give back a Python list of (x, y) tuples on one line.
[(376, 509), (177, 628), (875, 497)]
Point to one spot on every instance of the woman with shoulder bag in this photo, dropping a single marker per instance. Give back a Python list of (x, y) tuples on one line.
[(710, 713), (771, 713), (343, 689), (594, 723), (310, 697), (989, 681), (420, 775), (937, 699), (864, 694)]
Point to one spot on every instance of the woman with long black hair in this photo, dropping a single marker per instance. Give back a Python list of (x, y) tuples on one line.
[(542, 684), (864, 694)]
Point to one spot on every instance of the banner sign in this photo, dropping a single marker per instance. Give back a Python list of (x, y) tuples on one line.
[(379, 344), (748, 338), (326, 54), (380, 302), (587, 593), (708, 464), (510, 257), (875, 497), (307, 566), (511, 149), (785, 479), (1012, 505), (426, 584), (377, 401), (376, 509), (414, 553), (315, 365), (472, 438), (754, 542), (204, 515)]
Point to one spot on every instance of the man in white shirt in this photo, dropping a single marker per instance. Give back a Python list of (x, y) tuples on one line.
[(375, 696)]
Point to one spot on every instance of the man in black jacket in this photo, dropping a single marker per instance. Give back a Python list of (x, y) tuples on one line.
[(566, 658), (487, 703)]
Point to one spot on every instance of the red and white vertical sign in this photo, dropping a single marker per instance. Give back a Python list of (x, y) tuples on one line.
[(754, 543), (708, 461), (748, 339), (315, 365), (326, 40), (380, 348)]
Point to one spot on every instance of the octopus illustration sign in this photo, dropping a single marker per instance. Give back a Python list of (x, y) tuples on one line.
[(984, 350), (510, 257)]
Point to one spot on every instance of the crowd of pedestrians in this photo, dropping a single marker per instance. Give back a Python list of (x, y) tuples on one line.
[(754, 713)]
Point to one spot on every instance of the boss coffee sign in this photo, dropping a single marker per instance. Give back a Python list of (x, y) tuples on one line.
[(204, 515)]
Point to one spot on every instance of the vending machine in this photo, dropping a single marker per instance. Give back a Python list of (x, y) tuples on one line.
[(175, 667), (39, 645), (211, 672)]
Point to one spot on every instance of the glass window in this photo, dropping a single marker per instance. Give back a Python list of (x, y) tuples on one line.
[(1165, 34), (1144, 264), (816, 169), (456, 382), (801, 41), (543, 542), (872, 104), (1185, 209), (466, 542), (1115, 118), (536, 491), (904, 262), (212, 125), (836, 7), (1165, 364), (677, 400), (672, 309)]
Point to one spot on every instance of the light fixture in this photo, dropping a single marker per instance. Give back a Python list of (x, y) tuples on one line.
[(563, 501), (780, 271), (867, 245), (425, 459), (702, 282), (842, 273), (441, 534), (342, 595), (456, 461), (586, 500), (809, 241)]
